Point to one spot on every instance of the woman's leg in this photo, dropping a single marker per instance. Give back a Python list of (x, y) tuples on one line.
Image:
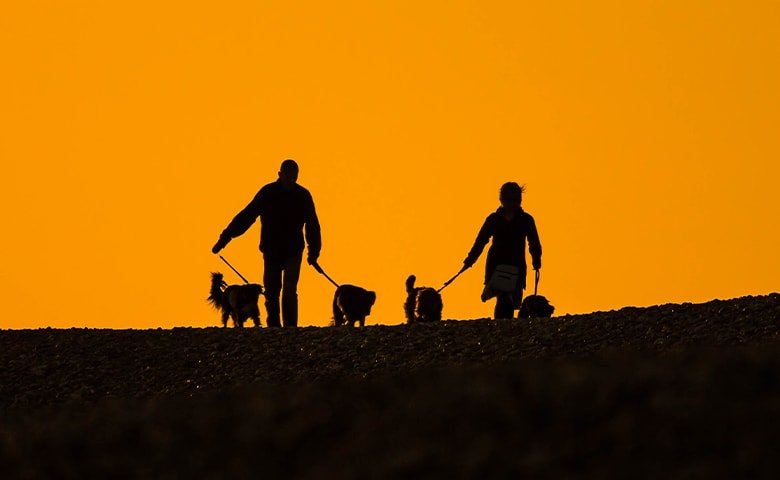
[(504, 307)]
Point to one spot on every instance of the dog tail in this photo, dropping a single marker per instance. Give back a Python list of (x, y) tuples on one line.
[(218, 285), (410, 283)]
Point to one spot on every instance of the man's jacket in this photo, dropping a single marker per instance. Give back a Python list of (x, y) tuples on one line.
[(283, 213)]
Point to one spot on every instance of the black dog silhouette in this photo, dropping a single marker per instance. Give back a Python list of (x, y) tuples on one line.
[(535, 306), (238, 302), (423, 304), (352, 304)]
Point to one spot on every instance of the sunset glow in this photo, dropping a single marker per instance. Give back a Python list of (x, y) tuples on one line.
[(645, 133)]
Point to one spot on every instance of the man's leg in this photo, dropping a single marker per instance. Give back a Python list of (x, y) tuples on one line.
[(272, 283), (292, 272)]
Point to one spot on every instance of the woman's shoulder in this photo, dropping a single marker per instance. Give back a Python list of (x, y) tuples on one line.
[(526, 217)]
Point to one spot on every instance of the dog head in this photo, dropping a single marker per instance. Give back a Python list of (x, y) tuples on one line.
[(535, 306), (364, 300)]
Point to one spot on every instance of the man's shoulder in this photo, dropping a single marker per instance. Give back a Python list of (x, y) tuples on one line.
[(275, 189), (301, 190), (268, 189), (269, 186)]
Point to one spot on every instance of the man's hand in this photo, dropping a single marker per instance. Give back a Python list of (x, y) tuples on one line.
[(221, 243), (312, 259), (468, 263), (536, 263)]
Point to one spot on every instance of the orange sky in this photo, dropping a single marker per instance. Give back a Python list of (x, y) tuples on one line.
[(646, 133)]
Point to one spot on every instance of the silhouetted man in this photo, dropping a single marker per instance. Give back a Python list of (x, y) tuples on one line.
[(509, 227), (284, 207)]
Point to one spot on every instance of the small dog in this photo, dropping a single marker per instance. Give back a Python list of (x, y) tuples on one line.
[(423, 304), (238, 302), (352, 304), (535, 306)]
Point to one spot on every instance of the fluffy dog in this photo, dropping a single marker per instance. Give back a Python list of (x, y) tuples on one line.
[(238, 302), (352, 304), (535, 306), (423, 304)]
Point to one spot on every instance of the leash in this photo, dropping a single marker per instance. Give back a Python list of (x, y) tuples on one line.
[(321, 271), (452, 279), (536, 280), (231, 267)]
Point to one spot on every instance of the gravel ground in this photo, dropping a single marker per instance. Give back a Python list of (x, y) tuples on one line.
[(673, 391)]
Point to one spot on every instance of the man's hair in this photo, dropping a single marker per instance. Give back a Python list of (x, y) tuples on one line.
[(512, 192), (289, 163)]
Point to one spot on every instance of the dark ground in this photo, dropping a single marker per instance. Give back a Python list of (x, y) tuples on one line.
[(673, 391)]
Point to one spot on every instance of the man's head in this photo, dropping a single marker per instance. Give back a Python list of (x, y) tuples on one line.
[(511, 195), (288, 173)]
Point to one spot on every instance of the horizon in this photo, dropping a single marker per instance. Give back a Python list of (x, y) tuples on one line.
[(645, 135), (444, 319)]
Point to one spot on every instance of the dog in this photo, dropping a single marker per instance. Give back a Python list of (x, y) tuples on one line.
[(535, 306), (423, 304), (352, 304), (238, 302)]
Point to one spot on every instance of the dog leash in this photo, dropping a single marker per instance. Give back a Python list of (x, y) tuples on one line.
[(231, 267), (536, 280), (452, 279), (320, 270)]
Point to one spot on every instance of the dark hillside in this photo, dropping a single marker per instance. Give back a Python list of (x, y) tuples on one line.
[(668, 391)]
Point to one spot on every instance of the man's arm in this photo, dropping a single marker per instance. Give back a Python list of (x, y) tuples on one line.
[(313, 234), (240, 223)]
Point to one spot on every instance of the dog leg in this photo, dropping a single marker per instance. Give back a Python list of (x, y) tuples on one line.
[(225, 316), (338, 315)]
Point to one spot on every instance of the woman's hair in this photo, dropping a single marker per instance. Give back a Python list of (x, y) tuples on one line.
[(511, 192)]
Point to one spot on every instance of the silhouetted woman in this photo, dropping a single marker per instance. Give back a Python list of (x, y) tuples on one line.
[(509, 227)]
